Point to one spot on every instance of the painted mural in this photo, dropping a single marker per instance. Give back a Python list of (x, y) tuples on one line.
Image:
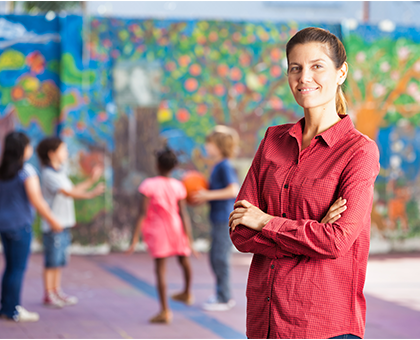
[(115, 89), (384, 100), (211, 72), (29, 74)]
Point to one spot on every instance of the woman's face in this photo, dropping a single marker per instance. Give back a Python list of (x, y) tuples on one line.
[(313, 77)]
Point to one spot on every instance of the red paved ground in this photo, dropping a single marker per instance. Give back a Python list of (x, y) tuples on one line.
[(117, 298)]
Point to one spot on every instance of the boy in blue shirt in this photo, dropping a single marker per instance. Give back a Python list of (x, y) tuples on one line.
[(221, 145)]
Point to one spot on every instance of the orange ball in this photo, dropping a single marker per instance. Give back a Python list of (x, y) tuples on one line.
[(194, 181)]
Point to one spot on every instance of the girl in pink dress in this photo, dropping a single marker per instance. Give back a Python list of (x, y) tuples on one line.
[(166, 228)]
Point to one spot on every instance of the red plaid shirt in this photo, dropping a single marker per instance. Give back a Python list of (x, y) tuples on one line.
[(306, 278)]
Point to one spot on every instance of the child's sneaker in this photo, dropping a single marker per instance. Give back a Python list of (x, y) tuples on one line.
[(52, 300), (213, 305), (25, 316), (66, 299)]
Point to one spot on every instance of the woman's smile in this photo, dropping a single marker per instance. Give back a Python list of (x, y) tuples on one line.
[(308, 89)]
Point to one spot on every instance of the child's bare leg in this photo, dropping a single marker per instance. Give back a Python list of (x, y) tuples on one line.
[(165, 315), (57, 279), (161, 282), (49, 275), (185, 296), (184, 261)]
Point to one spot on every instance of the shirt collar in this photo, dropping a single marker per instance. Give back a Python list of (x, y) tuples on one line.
[(330, 136)]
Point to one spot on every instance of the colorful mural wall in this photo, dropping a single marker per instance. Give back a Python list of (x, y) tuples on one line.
[(29, 74), (123, 86), (384, 101)]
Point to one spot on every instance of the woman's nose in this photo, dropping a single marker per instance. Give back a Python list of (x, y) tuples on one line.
[(305, 75)]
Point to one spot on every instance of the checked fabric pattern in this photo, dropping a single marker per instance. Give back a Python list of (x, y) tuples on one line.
[(306, 278)]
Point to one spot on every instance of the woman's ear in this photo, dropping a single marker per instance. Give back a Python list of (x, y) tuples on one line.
[(343, 71)]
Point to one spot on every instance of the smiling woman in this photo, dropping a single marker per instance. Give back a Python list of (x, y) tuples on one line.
[(304, 207)]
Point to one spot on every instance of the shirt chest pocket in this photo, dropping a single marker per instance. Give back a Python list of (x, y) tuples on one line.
[(315, 196)]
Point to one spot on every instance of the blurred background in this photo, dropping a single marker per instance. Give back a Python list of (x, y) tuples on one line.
[(115, 79)]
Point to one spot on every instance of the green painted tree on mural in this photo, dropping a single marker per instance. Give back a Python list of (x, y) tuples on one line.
[(383, 85), (233, 74), (382, 89), (214, 73)]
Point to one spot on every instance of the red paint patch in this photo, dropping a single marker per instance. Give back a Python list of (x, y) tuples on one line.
[(275, 71), (191, 84), (17, 93), (195, 69), (235, 74), (183, 115), (219, 90), (202, 109)]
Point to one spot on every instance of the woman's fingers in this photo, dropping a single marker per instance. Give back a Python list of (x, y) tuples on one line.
[(338, 203), (334, 213), (334, 219), (242, 203), (235, 223), (236, 214), (237, 210)]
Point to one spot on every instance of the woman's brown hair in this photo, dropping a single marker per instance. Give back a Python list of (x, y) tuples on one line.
[(335, 50)]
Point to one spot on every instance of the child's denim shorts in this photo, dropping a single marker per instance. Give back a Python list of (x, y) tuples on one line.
[(56, 248)]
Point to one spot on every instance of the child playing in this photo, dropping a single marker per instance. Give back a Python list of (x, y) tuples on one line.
[(221, 145), (20, 192), (59, 192), (166, 228)]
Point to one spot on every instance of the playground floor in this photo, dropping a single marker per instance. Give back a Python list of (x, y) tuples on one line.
[(117, 297)]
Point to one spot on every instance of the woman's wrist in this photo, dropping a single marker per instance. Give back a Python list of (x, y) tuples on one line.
[(266, 219)]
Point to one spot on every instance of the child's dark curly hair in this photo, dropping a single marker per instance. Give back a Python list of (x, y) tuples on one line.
[(166, 159)]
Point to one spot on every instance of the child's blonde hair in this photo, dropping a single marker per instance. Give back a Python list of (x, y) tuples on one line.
[(225, 138)]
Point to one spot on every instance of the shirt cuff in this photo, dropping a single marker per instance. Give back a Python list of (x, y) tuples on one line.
[(275, 226)]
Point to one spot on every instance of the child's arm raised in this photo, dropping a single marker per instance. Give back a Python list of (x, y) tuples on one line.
[(186, 222), (80, 191), (144, 205)]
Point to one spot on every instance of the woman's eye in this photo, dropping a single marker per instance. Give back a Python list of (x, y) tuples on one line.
[(317, 66), (293, 69)]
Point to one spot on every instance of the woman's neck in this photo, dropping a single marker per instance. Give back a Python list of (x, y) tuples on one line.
[(318, 120)]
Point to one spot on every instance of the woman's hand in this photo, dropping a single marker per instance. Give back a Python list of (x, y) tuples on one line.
[(334, 213), (248, 215)]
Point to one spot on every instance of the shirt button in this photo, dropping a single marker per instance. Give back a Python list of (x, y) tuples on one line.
[(286, 186), (272, 266), (284, 214), (268, 299)]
